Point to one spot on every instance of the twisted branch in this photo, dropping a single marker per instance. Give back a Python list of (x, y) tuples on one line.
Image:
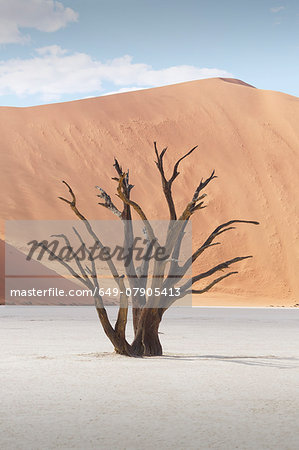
[(194, 205), (209, 241), (167, 184), (122, 195), (108, 202), (210, 272)]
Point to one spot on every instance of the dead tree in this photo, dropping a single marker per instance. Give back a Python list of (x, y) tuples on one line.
[(148, 310)]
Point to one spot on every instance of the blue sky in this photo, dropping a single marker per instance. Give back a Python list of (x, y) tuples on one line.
[(53, 51)]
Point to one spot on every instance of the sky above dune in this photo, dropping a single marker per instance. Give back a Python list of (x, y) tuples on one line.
[(53, 51)]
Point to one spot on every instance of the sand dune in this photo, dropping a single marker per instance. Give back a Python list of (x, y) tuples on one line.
[(249, 136), (44, 278)]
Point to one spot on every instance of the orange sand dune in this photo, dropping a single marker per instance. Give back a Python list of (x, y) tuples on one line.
[(249, 136), (43, 278)]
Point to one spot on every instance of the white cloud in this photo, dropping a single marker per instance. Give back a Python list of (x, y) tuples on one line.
[(54, 72), (276, 9), (42, 15), (124, 89), (54, 50)]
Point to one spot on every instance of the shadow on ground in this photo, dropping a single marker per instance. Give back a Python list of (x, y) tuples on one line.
[(266, 361), (278, 362)]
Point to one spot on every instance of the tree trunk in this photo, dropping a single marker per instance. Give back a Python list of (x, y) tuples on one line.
[(136, 312), (121, 346), (147, 342)]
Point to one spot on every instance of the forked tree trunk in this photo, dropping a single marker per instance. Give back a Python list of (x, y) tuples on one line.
[(121, 346), (147, 342)]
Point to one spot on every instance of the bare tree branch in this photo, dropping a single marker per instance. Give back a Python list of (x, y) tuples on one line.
[(108, 202), (83, 280), (209, 286), (90, 230), (142, 270), (197, 291), (91, 271), (122, 317), (72, 203), (138, 301), (210, 272), (173, 235), (171, 280), (219, 230), (138, 209), (77, 260), (176, 166), (194, 205), (167, 184), (127, 187)]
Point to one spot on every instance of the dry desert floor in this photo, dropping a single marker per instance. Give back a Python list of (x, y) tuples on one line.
[(229, 379)]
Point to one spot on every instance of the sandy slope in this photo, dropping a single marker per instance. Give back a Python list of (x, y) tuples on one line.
[(249, 136), (45, 278), (228, 380)]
